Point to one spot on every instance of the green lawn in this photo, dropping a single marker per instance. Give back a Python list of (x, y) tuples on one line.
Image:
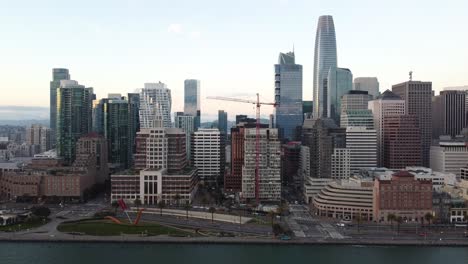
[(108, 228), (33, 223)]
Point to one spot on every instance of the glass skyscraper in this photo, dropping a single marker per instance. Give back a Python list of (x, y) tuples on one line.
[(74, 117), (192, 100), (339, 83), (222, 121), (57, 75), (325, 58), (288, 95)]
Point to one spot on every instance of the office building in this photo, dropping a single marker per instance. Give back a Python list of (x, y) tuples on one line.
[(134, 121), (339, 83), (93, 146), (403, 196), (449, 156), (448, 113), (340, 164), (288, 96), (74, 117), (401, 142), (362, 145), (291, 156), (418, 98), (223, 122), (369, 84), (155, 102), (355, 100), (39, 137), (187, 124), (192, 105), (357, 118), (386, 104), (244, 119), (269, 166), (324, 58), (58, 74), (208, 155)]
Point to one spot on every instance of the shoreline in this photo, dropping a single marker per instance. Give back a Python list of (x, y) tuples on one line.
[(234, 241)]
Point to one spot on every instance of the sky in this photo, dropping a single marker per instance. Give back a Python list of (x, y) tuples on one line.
[(116, 46)]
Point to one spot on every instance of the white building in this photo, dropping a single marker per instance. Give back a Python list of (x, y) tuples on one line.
[(387, 104), (362, 145), (369, 84), (449, 157), (340, 163), (208, 154), (155, 100), (269, 165)]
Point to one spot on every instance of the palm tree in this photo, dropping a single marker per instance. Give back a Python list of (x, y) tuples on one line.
[(161, 205), (177, 198), (115, 205), (399, 220), (137, 203), (429, 217), (187, 207), (391, 218), (212, 210)]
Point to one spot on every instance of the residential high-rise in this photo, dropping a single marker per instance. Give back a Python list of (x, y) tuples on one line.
[(155, 101), (324, 58), (58, 74), (269, 165), (192, 104), (208, 155), (362, 144), (449, 113), (187, 124), (369, 84), (418, 98), (222, 121), (401, 141), (74, 117), (40, 137), (339, 83), (288, 95), (386, 104)]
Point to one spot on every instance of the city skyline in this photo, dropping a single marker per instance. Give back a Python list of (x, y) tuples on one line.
[(175, 46)]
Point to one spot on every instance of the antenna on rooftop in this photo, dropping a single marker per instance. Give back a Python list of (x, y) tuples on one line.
[(411, 75)]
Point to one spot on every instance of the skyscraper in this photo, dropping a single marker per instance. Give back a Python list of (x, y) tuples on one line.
[(134, 120), (74, 117), (58, 74), (208, 155), (324, 58), (192, 100), (448, 113), (288, 95), (155, 102), (222, 121), (187, 124), (362, 144), (339, 83), (418, 98), (369, 84), (386, 104)]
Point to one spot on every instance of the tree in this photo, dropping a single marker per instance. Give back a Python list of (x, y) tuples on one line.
[(272, 217), (187, 207), (41, 211), (212, 210), (399, 221), (115, 205), (429, 217), (177, 198), (137, 203), (161, 205), (391, 218)]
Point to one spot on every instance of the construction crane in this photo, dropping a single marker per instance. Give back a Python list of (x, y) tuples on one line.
[(257, 103)]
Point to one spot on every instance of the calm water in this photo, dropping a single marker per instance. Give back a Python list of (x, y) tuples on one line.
[(44, 253)]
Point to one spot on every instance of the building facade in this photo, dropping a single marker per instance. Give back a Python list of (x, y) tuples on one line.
[(40, 137), (339, 83), (187, 124), (369, 84), (223, 122), (192, 104), (208, 155), (357, 118), (362, 145), (155, 102), (449, 156), (449, 113), (58, 74)]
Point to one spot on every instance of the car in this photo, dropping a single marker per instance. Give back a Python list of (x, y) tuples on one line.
[(285, 238), (340, 224)]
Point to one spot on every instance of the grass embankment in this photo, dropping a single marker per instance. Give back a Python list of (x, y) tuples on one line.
[(108, 228), (32, 223)]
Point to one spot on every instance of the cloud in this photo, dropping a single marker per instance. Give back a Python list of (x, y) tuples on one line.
[(195, 34), (175, 28)]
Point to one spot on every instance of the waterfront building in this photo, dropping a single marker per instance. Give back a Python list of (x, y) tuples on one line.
[(288, 96), (155, 102), (403, 195), (449, 156), (208, 150), (362, 145), (192, 105), (222, 122), (386, 104), (339, 83), (58, 74), (269, 165), (448, 113), (369, 84), (324, 58), (418, 102), (74, 117), (401, 142)]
